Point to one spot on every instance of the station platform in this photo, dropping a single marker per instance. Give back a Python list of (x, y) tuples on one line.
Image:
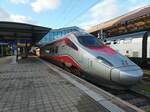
[(33, 85), (7, 60)]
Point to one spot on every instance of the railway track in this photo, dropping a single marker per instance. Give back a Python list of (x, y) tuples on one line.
[(139, 100), (136, 99), (133, 97)]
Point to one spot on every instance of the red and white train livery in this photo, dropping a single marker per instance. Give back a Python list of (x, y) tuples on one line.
[(84, 52)]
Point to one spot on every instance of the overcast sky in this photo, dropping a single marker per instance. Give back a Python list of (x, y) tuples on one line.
[(64, 13)]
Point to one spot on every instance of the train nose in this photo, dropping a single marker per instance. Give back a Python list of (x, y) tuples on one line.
[(130, 77), (126, 76)]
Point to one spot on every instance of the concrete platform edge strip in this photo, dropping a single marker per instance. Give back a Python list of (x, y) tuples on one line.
[(97, 97)]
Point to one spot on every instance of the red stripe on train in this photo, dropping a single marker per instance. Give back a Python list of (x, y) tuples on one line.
[(66, 59), (104, 49)]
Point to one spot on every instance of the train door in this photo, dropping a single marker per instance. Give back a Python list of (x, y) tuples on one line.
[(136, 47), (63, 49), (73, 53), (72, 50)]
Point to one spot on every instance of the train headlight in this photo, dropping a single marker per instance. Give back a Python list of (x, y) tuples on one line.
[(103, 60)]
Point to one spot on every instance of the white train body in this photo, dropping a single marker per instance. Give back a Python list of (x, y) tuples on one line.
[(131, 45), (84, 52)]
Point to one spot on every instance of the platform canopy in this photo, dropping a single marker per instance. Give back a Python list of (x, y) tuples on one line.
[(12, 31), (134, 21)]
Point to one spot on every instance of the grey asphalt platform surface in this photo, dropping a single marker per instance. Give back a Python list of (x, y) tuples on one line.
[(31, 86)]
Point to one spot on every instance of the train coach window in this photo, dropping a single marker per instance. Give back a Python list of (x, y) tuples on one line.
[(108, 43), (126, 41), (115, 42), (56, 49), (50, 50), (135, 54), (47, 51), (71, 44)]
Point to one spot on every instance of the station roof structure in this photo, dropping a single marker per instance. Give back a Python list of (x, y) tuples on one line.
[(22, 31), (133, 21)]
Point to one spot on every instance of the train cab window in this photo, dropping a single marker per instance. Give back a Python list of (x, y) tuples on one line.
[(47, 51), (89, 41), (71, 44)]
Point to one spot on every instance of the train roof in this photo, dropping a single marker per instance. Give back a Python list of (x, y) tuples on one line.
[(58, 39), (81, 33), (131, 35), (76, 33)]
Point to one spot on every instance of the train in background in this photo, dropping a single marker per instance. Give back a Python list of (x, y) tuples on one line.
[(35, 50), (80, 51), (136, 46)]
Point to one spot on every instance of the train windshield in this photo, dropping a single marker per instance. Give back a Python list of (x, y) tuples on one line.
[(90, 41)]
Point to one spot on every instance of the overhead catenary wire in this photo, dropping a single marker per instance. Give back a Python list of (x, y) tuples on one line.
[(71, 7), (71, 11), (81, 13)]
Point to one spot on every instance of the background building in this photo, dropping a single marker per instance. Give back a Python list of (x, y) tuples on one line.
[(134, 21)]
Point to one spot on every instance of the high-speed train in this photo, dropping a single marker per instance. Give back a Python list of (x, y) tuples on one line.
[(80, 51), (136, 46)]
